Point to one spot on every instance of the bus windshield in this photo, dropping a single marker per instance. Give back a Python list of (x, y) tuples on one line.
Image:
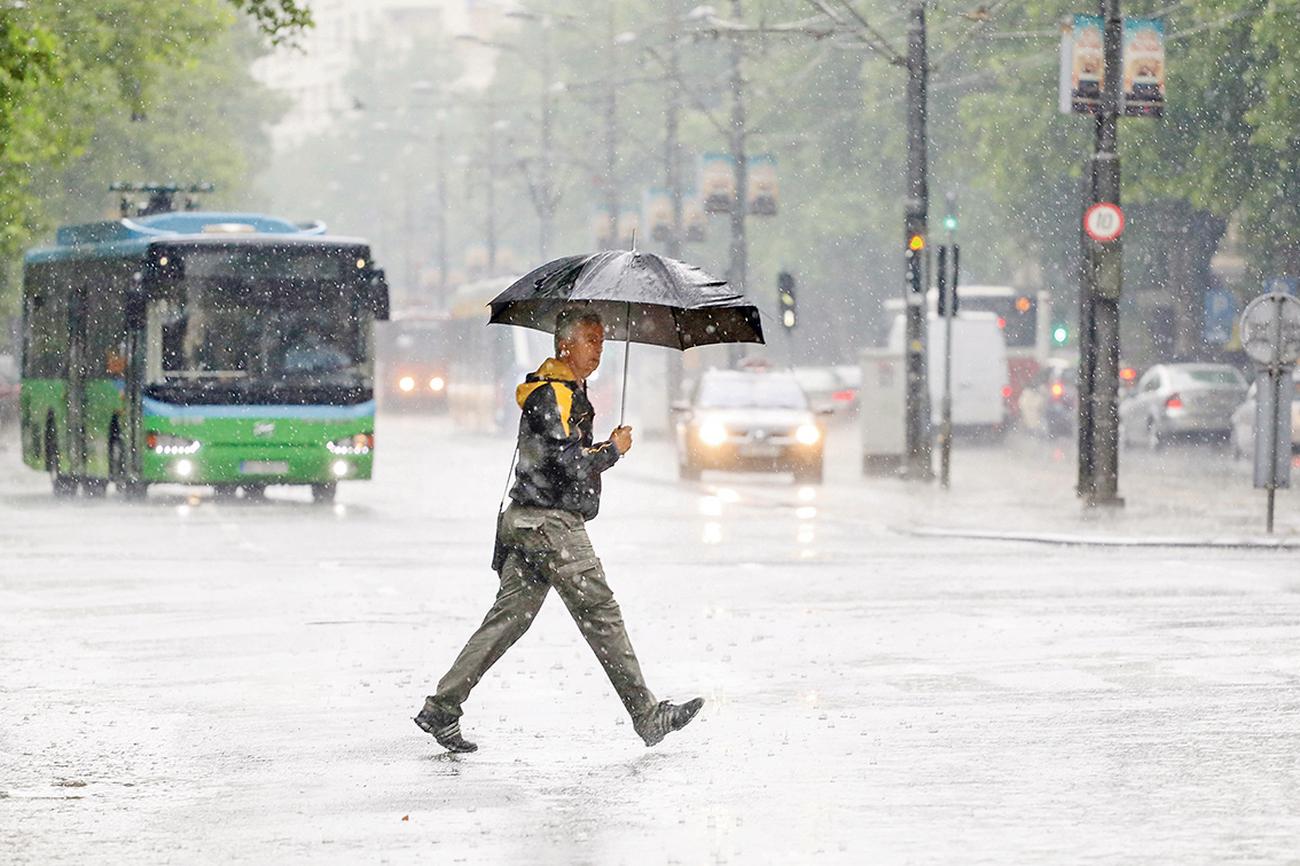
[(260, 313)]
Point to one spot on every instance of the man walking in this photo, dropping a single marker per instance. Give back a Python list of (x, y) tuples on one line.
[(542, 543)]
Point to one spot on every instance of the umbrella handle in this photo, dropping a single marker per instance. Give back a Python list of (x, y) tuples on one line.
[(627, 353)]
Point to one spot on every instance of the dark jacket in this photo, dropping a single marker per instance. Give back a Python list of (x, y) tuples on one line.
[(559, 465)]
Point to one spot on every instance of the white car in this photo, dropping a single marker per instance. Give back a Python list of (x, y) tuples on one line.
[(1243, 424), (756, 421), (1181, 399)]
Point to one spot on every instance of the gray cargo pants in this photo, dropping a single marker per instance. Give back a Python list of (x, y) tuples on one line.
[(548, 548)]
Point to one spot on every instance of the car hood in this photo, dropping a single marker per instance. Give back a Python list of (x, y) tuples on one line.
[(756, 417)]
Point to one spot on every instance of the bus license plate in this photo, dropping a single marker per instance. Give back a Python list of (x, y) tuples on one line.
[(264, 467)]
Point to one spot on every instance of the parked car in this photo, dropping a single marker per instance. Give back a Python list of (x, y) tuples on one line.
[(1049, 403), (828, 388), (751, 421), (1243, 423), (1181, 400)]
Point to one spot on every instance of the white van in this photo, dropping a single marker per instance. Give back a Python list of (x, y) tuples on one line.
[(980, 377)]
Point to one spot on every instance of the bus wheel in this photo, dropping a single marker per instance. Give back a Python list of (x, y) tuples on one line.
[(95, 488), (255, 492), (62, 485), (324, 493), (225, 492)]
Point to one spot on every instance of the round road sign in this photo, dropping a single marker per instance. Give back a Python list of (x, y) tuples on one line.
[(1270, 329), (1104, 222)]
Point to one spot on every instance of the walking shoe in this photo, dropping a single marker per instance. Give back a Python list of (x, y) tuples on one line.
[(666, 718), (445, 728)]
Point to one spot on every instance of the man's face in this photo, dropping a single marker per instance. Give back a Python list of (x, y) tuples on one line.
[(581, 351)]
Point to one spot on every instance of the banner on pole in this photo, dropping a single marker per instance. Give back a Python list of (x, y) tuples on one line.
[(1142, 93), (695, 219), (657, 213), (602, 240), (1083, 64), (718, 182), (761, 197)]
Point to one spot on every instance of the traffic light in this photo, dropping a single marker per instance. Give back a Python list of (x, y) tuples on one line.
[(785, 294), (950, 214), (1060, 334), (915, 246)]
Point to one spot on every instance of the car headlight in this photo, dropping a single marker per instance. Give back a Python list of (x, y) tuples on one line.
[(437, 383), (406, 383), (361, 443), (808, 434), (713, 433), (166, 443)]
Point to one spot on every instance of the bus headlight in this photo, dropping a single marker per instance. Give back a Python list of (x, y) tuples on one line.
[(165, 443), (713, 433), (361, 443), (183, 468), (406, 383), (808, 434), (437, 383), (341, 468)]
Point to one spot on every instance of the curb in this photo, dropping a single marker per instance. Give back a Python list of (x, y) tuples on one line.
[(1065, 539)]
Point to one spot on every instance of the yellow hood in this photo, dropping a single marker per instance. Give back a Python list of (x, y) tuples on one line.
[(561, 379)]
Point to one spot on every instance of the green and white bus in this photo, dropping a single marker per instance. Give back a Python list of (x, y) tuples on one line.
[(231, 350)]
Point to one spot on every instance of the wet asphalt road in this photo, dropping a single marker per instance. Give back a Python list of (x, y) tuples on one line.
[(194, 681)]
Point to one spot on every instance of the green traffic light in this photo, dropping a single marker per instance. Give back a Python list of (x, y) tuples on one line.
[(1060, 334), (950, 223)]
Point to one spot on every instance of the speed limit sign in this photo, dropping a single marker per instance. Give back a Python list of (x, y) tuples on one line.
[(1104, 222)]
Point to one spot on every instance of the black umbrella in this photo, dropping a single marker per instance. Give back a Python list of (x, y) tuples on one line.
[(642, 298)]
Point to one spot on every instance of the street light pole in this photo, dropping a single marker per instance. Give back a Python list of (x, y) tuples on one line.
[(492, 185), (440, 169), (918, 461), (1100, 292), (672, 147), (546, 196), (738, 272), (611, 131)]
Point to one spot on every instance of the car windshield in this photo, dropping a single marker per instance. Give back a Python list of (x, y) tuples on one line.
[(1210, 375), (817, 378), (757, 392)]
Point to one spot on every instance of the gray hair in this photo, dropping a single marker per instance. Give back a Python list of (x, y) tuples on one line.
[(570, 318)]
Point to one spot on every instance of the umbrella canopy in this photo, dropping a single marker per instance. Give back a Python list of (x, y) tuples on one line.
[(642, 297)]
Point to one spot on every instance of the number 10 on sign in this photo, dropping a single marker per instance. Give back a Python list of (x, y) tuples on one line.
[(1104, 222)]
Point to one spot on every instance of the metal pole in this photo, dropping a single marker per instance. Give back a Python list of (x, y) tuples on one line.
[(440, 168), (546, 211), (738, 272), (492, 185), (1275, 385), (945, 440), (917, 396), (1102, 285), (673, 179), (672, 147), (611, 132)]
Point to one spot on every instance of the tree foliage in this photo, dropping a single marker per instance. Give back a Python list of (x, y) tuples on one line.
[(120, 89)]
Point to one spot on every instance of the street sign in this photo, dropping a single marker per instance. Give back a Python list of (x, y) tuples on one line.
[(1270, 335), (1270, 329), (1104, 222), (1220, 315)]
